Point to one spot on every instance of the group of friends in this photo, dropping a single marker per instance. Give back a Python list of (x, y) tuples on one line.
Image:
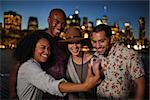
[(49, 67)]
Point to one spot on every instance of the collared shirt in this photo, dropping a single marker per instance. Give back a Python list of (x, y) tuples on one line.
[(121, 67), (32, 81)]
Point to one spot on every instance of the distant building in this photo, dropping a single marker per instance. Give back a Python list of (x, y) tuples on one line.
[(1, 26), (116, 33), (98, 21), (85, 22), (0, 30), (127, 30), (32, 24), (129, 38), (12, 21), (142, 41), (90, 26), (103, 20), (142, 27)]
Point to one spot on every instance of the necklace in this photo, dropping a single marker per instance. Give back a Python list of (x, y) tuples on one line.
[(81, 60)]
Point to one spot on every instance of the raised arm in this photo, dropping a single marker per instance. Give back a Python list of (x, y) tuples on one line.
[(91, 81)]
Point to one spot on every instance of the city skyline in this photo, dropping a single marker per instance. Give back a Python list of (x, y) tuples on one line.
[(117, 11)]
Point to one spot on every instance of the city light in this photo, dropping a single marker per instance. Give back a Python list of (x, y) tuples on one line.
[(143, 46), (70, 16), (2, 46), (128, 46), (86, 35), (83, 27), (135, 47), (98, 22), (126, 24), (76, 12), (122, 30), (113, 32)]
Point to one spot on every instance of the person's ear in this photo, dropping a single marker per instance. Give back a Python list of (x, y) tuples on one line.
[(111, 39), (49, 20)]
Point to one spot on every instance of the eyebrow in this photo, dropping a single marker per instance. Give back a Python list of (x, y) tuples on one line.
[(98, 40), (57, 19), (44, 45)]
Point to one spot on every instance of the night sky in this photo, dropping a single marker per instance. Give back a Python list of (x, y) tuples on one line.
[(116, 10)]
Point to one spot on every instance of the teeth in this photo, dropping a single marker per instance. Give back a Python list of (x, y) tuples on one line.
[(57, 30), (44, 55), (75, 50)]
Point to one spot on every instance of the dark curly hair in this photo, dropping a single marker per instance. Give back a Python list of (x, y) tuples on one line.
[(26, 47), (105, 28)]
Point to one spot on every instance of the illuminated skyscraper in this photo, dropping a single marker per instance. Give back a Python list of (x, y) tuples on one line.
[(129, 38), (85, 22), (0, 26), (0, 29), (127, 30), (103, 20), (90, 26), (32, 24), (12, 21), (142, 27)]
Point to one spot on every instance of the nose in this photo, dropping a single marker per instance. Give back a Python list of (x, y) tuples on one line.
[(47, 51), (59, 25), (97, 44), (74, 44)]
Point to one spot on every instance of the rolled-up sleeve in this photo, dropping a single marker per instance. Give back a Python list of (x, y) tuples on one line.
[(54, 87), (137, 69)]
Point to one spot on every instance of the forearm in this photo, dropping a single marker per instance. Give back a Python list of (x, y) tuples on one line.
[(72, 87), (140, 87), (90, 82)]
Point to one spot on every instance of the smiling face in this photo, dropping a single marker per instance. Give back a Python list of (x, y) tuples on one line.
[(74, 48), (100, 42), (42, 50), (57, 22)]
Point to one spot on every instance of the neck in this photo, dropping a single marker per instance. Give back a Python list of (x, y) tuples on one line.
[(49, 32), (85, 57), (108, 50)]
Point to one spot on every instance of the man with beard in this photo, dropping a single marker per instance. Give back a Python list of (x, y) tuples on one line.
[(121, 66)]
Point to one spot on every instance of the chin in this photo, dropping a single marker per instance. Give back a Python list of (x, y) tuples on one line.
[(101, 53), (57, 34), (43, 60), (75, 54)]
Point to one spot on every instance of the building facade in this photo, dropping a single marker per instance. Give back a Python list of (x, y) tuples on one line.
[(12, 21), (32, 23)]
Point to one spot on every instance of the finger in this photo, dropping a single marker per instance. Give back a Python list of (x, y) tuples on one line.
[(89, 69), (97, 72), (99, 81)]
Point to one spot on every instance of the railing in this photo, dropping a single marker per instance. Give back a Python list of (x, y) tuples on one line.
[(4, 75)]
